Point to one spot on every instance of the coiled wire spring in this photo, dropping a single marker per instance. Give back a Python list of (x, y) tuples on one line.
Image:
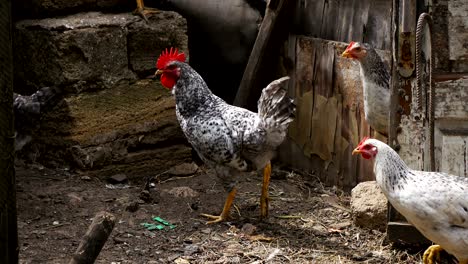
[(425, 19)]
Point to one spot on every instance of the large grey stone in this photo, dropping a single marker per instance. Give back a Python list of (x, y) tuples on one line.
[(91, 50), (48, 8), (369, 206), (109, 121), (129, 128)]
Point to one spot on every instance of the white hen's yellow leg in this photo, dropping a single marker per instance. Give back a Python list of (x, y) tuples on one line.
[(227, 207), (432, 254), (264, 199), (142, 11)]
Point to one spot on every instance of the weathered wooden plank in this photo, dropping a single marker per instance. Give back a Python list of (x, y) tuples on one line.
[(330, 12), (305, 57), (291, 54), (451, 99), (456, 148), (309, 17), (330, 120), (378, 24), (274, 22), (340, 20), (323, 68), (323, 128)]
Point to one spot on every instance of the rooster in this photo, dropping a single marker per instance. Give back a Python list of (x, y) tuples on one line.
[(230, 139), (375, 82), (435, 203)]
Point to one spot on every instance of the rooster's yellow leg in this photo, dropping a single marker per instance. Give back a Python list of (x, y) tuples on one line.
[(227, 207), (432, 254), (142, 11), (265, 186)]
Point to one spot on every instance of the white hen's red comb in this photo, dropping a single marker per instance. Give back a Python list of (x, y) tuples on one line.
[(362, 141), (168, 56), (350, 45)]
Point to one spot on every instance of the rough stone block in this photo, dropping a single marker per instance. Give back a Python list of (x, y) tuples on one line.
[(89, 50), (48, 8), (369, 206), (124, 128)]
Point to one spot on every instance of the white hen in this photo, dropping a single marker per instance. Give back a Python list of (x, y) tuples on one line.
[(435, 203)]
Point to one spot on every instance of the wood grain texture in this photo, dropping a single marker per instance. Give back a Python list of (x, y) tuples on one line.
[(330, 118)]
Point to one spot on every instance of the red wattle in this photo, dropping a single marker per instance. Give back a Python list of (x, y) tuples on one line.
[(365, 155), (167, 81)]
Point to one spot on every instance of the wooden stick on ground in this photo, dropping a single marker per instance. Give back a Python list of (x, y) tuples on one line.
[(94, 239)]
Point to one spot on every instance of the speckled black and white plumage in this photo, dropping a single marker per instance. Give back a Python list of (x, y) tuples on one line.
[(435, 203), (375, 78), (28, 109), (228, 138)]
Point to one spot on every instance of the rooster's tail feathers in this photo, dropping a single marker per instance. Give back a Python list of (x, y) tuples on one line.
[(275, 108)]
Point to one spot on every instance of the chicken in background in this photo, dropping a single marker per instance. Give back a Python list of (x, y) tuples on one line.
[(435, 203), (230, 139), (375, 82), (28, 111)]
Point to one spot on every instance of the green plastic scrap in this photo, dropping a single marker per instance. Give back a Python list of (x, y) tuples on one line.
[(164, 222), (151, 226)]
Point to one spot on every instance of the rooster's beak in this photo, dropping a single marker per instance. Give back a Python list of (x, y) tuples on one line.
[(346, 54), (158, 72), (356, 151)]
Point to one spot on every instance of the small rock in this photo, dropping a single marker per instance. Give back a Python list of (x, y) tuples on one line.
[(191, 249), (184, 169), (118, 178), (132, 206), (145, 196), (55, 223), (341, 225), (181, 261), (183, 192), (85, 178), (369, 206), (206, 230), (74, 199), (319, 230), (248, 229), (118, 240)]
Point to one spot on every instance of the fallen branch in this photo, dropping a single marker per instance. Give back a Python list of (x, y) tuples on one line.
[(94, 239)]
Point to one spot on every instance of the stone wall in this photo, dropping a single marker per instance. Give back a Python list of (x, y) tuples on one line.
[(111, 118)]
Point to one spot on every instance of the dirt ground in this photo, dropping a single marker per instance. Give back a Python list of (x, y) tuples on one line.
[(308, 223)]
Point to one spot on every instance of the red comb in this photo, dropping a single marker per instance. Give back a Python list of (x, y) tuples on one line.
[(350, 44), (362, 141), (168, 56)]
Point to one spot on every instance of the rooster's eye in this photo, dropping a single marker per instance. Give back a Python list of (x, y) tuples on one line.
[(358, 49)]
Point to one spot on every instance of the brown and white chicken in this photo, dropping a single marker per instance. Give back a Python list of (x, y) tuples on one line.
[(435, 203), (375, 79)]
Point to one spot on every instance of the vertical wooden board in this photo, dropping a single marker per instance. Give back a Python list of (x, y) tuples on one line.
[(323, 128), (332, 20), (305, 56), (454, 149), (360, 13), (337, 142), (345, 27), (313, 16), (378, 24), (323, 70), (303, 120), (350, 162), (291, 54)]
